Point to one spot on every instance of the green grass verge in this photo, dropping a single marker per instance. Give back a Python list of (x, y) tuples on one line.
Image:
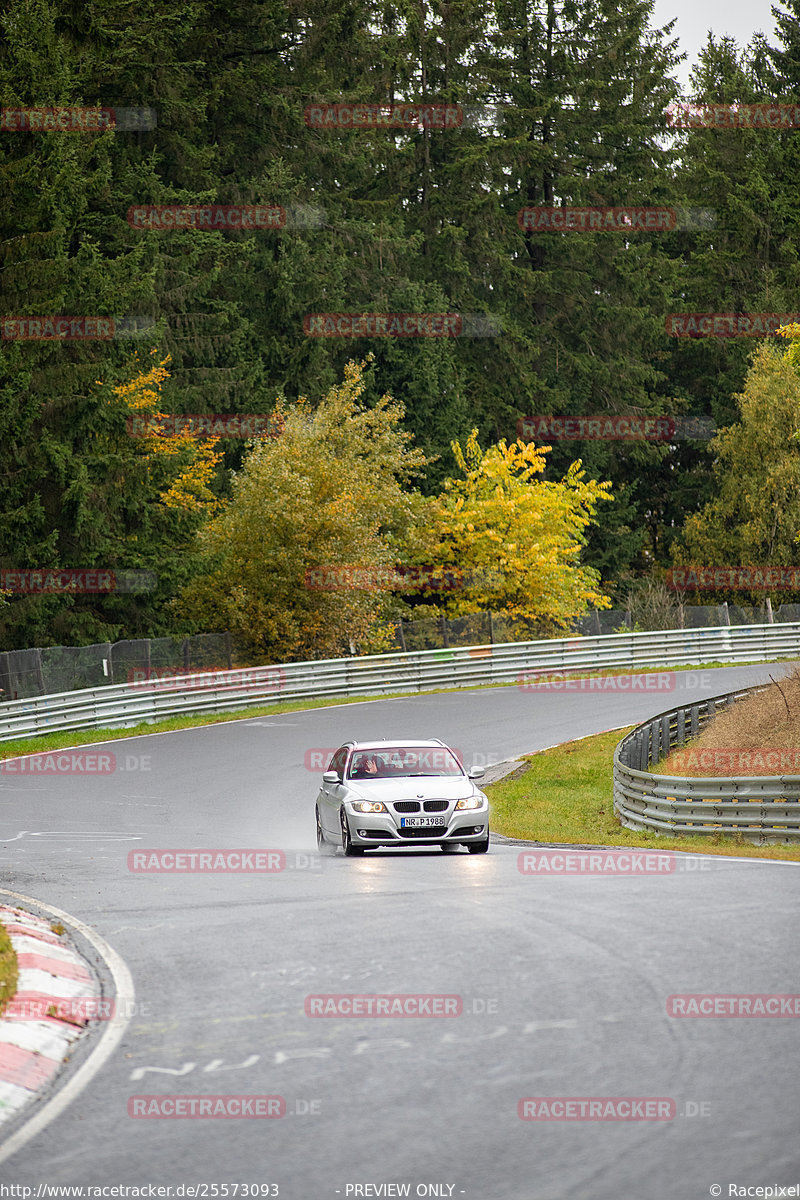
[(41, 743), (8, 969), (566, 795)]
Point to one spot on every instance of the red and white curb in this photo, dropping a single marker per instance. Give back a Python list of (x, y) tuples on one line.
[(56, 997)]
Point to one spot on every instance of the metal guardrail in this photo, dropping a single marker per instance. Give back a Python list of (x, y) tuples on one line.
[(45, 670), (124, 705), (761, 808)]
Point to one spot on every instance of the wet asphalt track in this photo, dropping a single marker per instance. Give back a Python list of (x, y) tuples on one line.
[(564, 980)]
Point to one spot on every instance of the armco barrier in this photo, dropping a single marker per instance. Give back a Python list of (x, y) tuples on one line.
[(763, 808), (121, 705)]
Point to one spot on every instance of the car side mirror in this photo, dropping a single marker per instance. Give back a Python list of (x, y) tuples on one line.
[(330, 777), (476, 773)]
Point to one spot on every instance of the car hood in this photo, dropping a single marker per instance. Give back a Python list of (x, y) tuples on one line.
[(436, 787)]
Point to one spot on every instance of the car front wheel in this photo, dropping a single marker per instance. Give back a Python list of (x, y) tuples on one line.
[(350, 851), (478, 847)]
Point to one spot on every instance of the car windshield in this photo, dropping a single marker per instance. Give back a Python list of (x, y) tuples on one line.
[(403, 762)]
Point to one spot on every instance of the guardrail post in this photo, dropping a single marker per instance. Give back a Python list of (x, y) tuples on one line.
[(37, 660), (5, 677), (642, 746), (654, 732)]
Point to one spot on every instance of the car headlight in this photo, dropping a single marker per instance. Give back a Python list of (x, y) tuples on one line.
[(369, 806), (470, 802)]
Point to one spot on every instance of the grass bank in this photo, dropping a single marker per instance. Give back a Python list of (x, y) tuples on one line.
[(8, 969), (756, 736)]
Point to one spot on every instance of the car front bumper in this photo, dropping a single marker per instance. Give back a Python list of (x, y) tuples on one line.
[(383, 829)]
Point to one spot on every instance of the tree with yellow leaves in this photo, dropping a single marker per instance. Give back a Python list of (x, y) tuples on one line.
[(511, 540), (188, 464)]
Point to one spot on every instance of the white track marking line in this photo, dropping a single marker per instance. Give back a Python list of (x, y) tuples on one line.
[(112, 1035), (75, 835)]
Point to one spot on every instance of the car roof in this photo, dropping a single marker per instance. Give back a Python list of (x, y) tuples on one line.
[(396, 742)]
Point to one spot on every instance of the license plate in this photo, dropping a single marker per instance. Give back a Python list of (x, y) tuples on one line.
[(421, 822)]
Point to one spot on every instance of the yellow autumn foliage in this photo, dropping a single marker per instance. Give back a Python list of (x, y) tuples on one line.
[(194, 460), (512, 540)]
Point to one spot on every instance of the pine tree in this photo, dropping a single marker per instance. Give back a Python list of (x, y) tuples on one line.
[(53, 265)]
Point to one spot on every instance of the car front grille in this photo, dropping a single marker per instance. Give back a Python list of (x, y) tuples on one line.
[(406, 806), (431, 831), (436, 805)]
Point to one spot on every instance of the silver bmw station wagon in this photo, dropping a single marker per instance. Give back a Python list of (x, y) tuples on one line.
[(399, 794)]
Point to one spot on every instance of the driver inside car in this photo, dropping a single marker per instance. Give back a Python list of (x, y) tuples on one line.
[(366, 768)]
